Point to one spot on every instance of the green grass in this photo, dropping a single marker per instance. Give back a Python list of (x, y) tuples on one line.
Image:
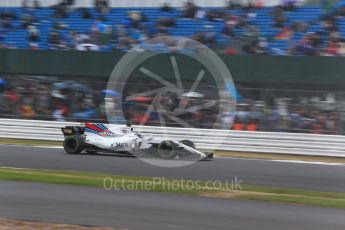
[(296, 192), (312, 201), (11, 141), (248, 192), (88, 179)]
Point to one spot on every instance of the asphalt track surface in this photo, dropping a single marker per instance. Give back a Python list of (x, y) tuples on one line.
[(145, 210), (249, 171)]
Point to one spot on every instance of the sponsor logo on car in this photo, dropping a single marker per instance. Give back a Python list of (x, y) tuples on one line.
[(106, 133), (67, 131), (119, 145)]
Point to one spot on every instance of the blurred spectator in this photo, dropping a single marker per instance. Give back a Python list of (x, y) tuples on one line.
[(25, 4), (330, 24), (252, 126), (70, 2), (279, 21), (299, 26), (43, 101), (75, 39), (6, 19), (59, 25), (97, 26), (289, 5), (278, 16), (85, 13), (60, 9), (214, 15), (54, 41), (33, 46), (230, 51), (200, 14), (206, 38), (2, 38), (36, 4), (7, 15), (166, 7), (326, 4), (189, 10), (99, 29), (259, 4), (340, 11), (136, 18), (164, 23), (309, 45), (87, 47), (60, 112), (26, 21), (248, 7), (126, 43), (238, 126), (233, 5), (258, 46), (333, 48), (249, 16), (102, 6), (285, 34), (34, 34), (276, 11), (229, 26), (335, 36)]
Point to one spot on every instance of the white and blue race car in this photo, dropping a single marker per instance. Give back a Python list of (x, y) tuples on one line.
[(95, 138)]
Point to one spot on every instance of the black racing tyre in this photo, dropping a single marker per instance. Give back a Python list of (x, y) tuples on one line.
[(167, 150), (183, 153), (73, 144), (188, 143)]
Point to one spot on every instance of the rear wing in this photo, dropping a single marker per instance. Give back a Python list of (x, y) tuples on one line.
[(73, 130)]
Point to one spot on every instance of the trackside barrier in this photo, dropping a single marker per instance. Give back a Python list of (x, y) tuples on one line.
[(259, 142)]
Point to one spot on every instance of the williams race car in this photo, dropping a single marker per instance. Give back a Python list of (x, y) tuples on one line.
[(93, 138)]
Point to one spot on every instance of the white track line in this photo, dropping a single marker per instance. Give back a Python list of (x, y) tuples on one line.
[(309, 162), (286, 161), (33, 146)]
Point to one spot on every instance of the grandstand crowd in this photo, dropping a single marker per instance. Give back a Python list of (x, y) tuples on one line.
[(251, 28), (51, 99)]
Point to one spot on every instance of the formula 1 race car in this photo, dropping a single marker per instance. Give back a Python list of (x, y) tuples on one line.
[(94, 138)]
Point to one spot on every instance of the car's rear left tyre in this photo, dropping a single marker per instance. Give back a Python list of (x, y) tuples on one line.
[(188, 143), (183, 153), (73, 144)]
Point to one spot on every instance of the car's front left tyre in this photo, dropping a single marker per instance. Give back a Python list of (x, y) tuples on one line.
[(167, 150), (74, 144)]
